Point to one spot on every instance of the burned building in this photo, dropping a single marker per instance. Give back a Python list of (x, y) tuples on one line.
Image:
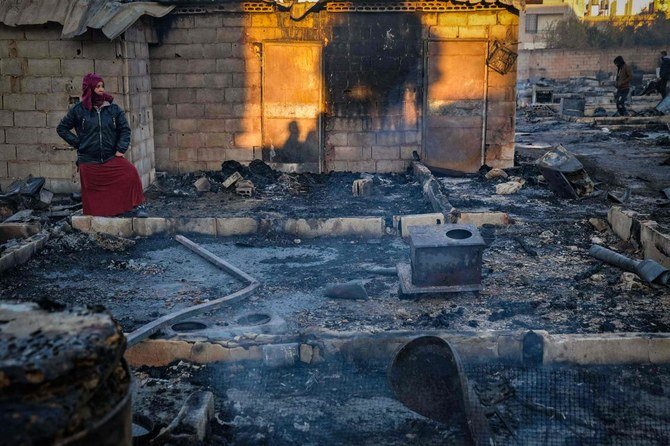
[(327, 86)]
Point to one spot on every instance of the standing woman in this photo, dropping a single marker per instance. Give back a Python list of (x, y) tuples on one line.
[(110, 184)]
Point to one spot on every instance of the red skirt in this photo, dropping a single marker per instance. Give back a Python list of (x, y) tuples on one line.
[(110, 188)]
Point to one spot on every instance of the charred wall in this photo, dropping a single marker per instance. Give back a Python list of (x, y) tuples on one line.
[(207, 80), (373, 70)]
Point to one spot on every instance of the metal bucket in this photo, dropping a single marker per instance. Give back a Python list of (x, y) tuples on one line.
[(427, 376)]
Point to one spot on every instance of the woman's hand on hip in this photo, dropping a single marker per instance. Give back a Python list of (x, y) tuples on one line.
[(119, 154)]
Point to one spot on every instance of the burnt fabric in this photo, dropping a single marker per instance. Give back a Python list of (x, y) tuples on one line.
[(110, 188)]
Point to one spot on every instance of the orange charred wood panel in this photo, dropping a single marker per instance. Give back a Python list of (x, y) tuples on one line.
[(292, 102), (456, 79)]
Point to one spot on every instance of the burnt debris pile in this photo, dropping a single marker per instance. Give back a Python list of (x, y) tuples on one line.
[(61, 375)]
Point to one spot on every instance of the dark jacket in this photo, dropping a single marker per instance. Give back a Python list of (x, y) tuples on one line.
[(665, 67), (623, 77), (100, 132)]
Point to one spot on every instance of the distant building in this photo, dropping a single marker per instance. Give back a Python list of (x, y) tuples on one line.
[(540, 14)]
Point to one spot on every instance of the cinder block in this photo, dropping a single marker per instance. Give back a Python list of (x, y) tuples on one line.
[(7, 152), (20, 170), (346, 153), (146, 227), (44, 67), (18, 230), (240, 154), (99, 50), (18, 101), (208, 352), (54, 101), (163, 80), (11, 33), (40, 85), (32, 49), (58, 170), (453, 18), (507, 18), (659, 349), (65, 49), (510, 348), (473, 32), (236, 226), (81, 222), (386, 152), (621, 222), (221, 140), (247, 139), (212, 125), (481, 18), (205, 225), (183, 125), (6, 118), (157, 353), (234, 65), (361, 139), (190, 110), (24, 253), (121, 227), (7, 261), (390, 166), (309, 228), (11, 67), (30, 119), (406, 221), (656, 245), (211, 154), (201, 35), (480, 219), (444, 32), (596, 349), (361, 166)]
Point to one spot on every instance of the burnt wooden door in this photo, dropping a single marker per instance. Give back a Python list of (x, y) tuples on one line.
[(454, 104), (292, 101)]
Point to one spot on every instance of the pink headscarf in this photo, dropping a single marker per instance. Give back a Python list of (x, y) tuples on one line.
[(88, 97)]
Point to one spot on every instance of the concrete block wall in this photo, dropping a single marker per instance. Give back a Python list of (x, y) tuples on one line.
[(564, 64), (206, 78), (138, 103), (40, 76)]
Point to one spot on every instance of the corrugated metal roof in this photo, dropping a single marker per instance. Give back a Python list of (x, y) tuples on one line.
[(516, 4), (113, 17)]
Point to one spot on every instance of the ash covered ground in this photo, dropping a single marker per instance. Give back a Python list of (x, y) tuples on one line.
[(536, 275), (289, 195), (342, 403)]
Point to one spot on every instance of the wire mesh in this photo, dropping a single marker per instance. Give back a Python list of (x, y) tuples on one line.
[(501, 59), (624, 405), (342, 404)]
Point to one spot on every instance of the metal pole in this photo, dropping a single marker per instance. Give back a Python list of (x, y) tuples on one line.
[(152, 327)]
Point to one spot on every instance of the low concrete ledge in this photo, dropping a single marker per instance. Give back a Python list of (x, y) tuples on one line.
[(489, 346), (630, 226), (404, 222), (228, 226), (316, 227), (16, 230), (21, 254), (480, 219)]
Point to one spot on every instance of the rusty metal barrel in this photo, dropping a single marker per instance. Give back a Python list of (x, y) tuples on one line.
[(63, 380)]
